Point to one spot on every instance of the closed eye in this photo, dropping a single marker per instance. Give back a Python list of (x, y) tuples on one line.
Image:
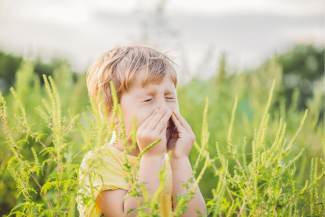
[(148, 100)]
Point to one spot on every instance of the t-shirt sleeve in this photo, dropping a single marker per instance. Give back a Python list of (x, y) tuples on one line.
[(97, 174)]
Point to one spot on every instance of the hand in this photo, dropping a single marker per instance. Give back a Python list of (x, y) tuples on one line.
[(183, 138), (152, 129)]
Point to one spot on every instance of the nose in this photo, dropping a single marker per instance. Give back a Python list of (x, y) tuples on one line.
[(164, 105)]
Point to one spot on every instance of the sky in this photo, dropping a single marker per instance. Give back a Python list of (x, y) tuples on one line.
[(249, 31)]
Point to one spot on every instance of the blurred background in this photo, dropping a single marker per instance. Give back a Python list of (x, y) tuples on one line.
[(222, 48), (248, 31)]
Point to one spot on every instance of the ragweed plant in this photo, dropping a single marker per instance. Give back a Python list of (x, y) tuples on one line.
[(263, 182), (266, 186), (63, 179), (62, 186)]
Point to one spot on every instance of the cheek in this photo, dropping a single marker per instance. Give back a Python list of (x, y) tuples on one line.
[(174, 106), (128, 118)]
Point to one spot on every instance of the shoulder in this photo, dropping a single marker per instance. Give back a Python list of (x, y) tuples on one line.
[(99, 161), (94, 155)]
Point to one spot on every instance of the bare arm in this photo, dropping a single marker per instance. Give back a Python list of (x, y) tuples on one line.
[(111, 202), (152, 129), (181, 144), (182, 171)]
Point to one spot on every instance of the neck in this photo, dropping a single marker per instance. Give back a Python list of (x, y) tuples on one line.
[(119, 145)]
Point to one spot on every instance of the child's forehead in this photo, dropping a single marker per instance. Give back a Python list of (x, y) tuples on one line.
[(151, 87), (142, 81)]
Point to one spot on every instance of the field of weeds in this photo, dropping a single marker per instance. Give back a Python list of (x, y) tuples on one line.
[(257, 152)]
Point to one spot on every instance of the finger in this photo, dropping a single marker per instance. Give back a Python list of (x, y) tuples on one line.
[(182, 121), (155, 120), (162, 125), (163, 131), (147, 121), (179, 126)]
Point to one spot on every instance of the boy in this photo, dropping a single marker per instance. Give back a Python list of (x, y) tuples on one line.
[(145, 83)]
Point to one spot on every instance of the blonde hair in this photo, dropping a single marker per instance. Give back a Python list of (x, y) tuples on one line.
[(121, 65)]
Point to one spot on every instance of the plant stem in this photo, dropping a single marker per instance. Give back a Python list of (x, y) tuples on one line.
[(241, 209)]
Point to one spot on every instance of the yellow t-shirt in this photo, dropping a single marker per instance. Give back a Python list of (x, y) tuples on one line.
[(111, 170)]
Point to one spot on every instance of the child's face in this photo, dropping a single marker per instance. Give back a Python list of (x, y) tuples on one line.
[(143, 101)]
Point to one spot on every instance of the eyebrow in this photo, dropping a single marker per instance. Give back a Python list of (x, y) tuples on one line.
[(154, 91)]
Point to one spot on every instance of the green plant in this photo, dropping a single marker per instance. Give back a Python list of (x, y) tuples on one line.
[(257, 180)]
